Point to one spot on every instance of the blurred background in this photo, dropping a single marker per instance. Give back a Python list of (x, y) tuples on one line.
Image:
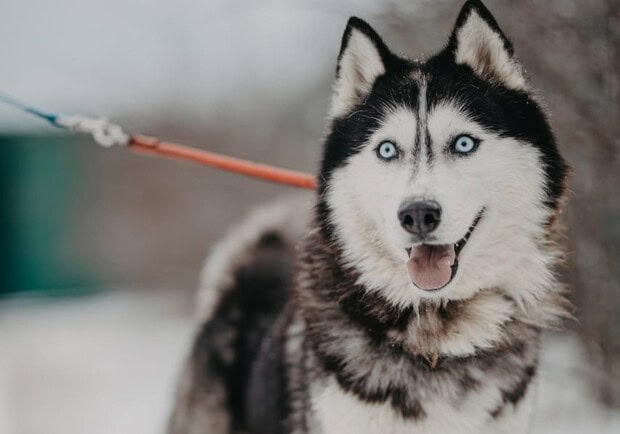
[(101, 249)]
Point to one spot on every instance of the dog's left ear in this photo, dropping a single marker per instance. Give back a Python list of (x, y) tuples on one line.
[(477, 41)]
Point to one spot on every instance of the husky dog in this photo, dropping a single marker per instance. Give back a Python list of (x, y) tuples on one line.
[(424, 267)]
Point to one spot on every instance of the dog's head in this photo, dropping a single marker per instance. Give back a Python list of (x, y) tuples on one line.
[(440, 177)]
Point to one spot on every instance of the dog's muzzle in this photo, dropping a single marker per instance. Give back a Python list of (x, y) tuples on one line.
[(433, 266)]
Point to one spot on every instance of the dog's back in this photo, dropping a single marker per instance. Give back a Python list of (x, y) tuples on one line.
[(245, 286)]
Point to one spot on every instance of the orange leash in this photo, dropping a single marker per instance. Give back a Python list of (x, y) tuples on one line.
[(108, 135), (152, 145)]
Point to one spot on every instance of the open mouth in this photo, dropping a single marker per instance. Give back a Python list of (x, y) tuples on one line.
[(433, 266)]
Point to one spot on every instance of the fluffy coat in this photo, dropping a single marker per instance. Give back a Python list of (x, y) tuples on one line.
[(311, 323)]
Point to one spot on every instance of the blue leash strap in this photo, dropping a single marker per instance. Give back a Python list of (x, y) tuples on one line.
[(103, 132), (50, 117)]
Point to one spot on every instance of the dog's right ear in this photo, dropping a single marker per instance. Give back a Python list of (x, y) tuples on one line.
[(363, 57)]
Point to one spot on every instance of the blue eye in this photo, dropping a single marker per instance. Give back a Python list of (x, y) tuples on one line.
[(464, 144), (387, 151)]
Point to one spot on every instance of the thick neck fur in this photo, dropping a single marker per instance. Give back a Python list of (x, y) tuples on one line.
[(384, 353)]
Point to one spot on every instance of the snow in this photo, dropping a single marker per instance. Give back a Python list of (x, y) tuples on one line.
[(107, 364), (566, 400)]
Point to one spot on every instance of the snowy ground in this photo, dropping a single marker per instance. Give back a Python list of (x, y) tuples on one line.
[(107, 364)]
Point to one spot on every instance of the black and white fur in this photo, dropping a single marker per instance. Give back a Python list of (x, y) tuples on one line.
[(336, 338)]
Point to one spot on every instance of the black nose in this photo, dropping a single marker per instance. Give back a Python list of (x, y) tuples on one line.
[(420, 217)]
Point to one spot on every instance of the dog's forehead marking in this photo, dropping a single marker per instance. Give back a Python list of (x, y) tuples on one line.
[(417, 75), (424, 137), (414, 119), (423, 149)]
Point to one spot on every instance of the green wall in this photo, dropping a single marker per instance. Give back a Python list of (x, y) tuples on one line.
[(39, 181)]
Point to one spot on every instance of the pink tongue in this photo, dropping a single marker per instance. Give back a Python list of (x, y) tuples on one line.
[(430, 267)]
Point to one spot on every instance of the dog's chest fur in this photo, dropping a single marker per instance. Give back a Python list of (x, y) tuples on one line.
[(465, 367), (337, 412)]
